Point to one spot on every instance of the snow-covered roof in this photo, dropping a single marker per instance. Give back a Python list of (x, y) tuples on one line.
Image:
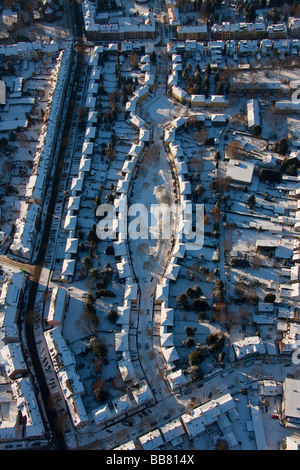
[(172, 430), (68, 267), (240, 171), (122, 404), (247, 346), (126, 369), (121, 341), (166, 339), (162, 292), (57, 305), (123, 315), (152, 440), (70, 222), (170, 354), (101, 414), (166, 315), (172, 271), (71, 245), (176, 378), (142, 394)]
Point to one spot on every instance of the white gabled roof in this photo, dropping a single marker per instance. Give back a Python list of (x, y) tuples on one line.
[(166, 315), (152, 440), (126, 369), (179, 250), (85, 164), (128, 166), (179, 92), (172, 430), (124, 268), (120, 248), (136, 149), (166, 339), (123, 185), (131, 291), (123, 315), (143, 393), (101, 414), (137, 121), (68, 267), (162, 292), (172, 271), (143, 90), (73, 203), (121, 341), (72, 245), (77, 184), (70, 222), (122, 404), (176, 378), (170, 354)]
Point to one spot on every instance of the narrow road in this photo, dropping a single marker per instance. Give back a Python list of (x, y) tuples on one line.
[(5, 261)]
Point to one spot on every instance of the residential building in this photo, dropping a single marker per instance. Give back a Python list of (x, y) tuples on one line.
[(227, 31), (198, 419), (57, 306), (152, 440), (240, 171), (197, 32), (253, 115), (176, 379), (294, 27), (179, 94), (142, 27), (248, 346), (12, 360), (10, 305), (102, 414), (172, 432), (248, 48), (277, 31), (266, 46), (290, 403), (173, 17)]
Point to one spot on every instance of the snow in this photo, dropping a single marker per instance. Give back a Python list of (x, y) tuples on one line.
[(153, 183)]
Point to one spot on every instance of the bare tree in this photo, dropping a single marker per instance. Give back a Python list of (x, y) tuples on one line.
[(234, 150)]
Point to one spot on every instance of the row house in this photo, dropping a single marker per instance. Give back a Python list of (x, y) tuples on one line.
[(266, 47), (27, 227), (143, 27), (217, 49), (214, 101), (227, 31), (277, 31), (10, 305), (248, 48), (65, 367), (30, 51), (198, 32)]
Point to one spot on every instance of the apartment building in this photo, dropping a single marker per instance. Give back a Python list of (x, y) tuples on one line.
[(138, 27), (226, 31), (198, 32)]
